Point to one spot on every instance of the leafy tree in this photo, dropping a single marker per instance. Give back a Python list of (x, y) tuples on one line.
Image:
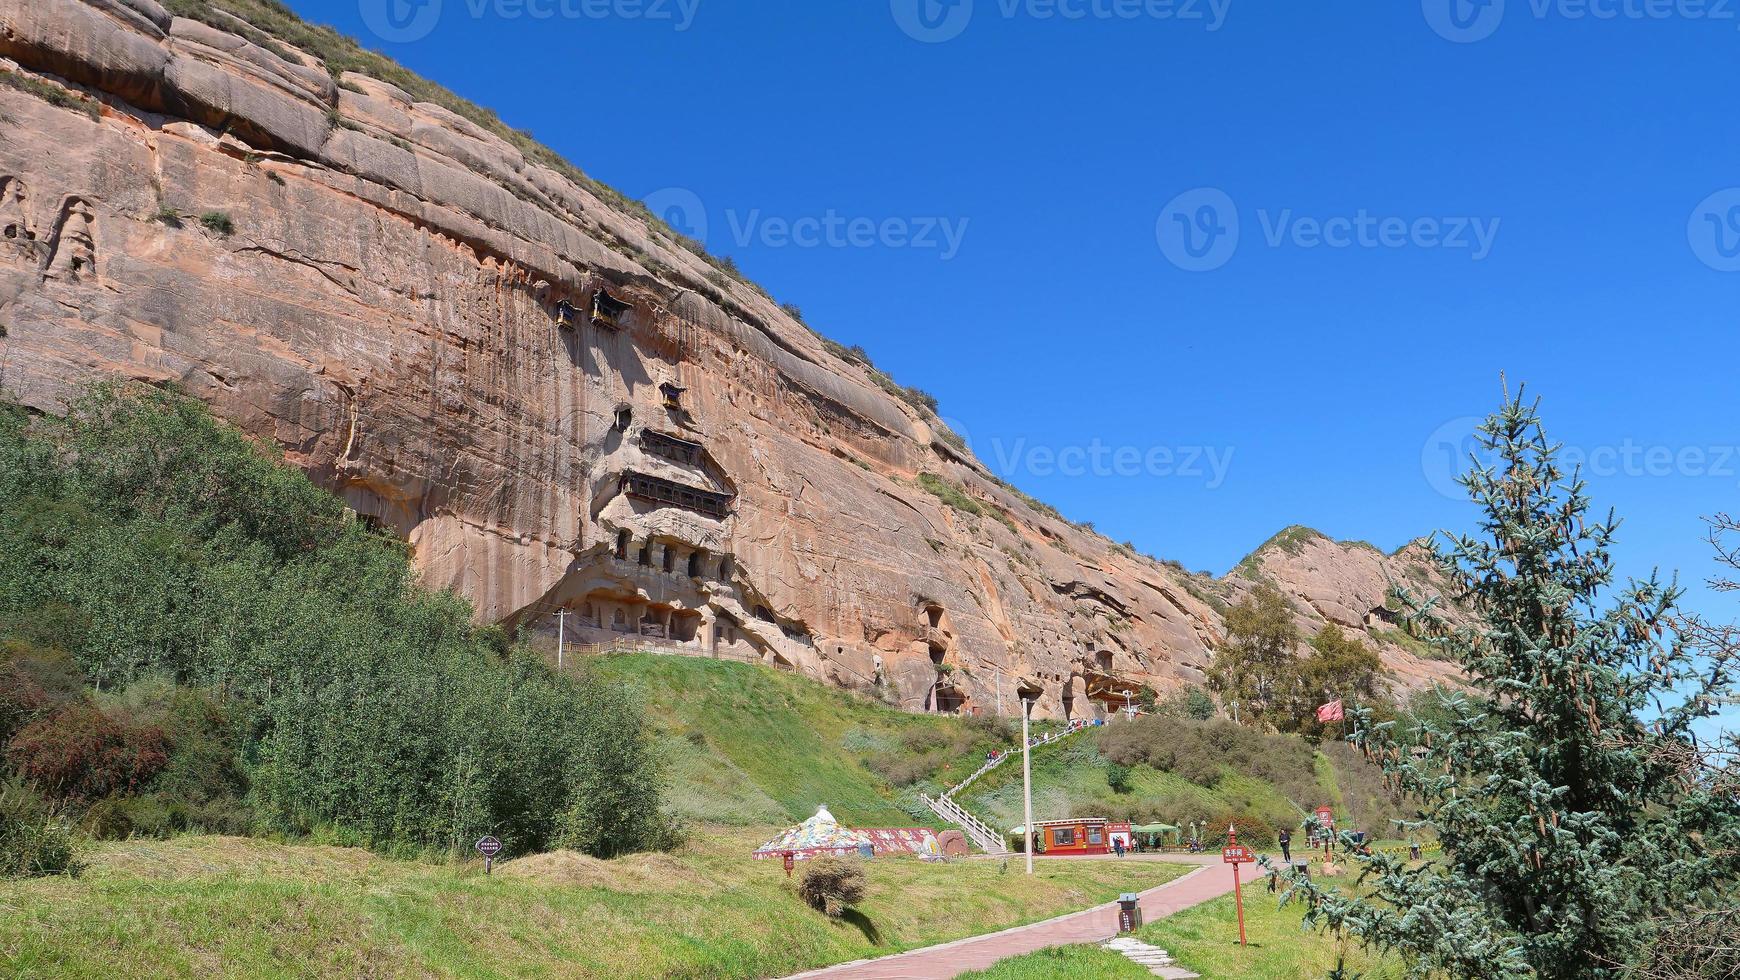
[(1251, 668), (1567, 829), (1190, 702), (1339, 666)]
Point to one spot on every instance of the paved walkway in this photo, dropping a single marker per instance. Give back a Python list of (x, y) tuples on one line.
[(1092, 926)]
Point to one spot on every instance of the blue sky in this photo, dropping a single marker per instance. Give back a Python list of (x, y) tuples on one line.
[(1520, 187)]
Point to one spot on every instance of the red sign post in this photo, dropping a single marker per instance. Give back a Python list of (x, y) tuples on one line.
[(1326, 817), (1236, 854)]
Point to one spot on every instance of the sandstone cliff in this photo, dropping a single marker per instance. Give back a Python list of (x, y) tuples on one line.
[(552, 398)]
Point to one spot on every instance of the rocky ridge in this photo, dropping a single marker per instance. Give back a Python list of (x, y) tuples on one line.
[(556, 401)]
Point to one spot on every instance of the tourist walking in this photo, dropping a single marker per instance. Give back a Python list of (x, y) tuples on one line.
[(1286, 846)]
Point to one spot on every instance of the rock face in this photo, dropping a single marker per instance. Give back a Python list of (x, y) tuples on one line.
[(556, 403)]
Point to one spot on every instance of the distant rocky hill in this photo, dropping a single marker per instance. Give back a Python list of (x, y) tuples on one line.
[(558, 402)]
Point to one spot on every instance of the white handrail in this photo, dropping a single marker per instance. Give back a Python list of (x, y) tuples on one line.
[(981, 834)]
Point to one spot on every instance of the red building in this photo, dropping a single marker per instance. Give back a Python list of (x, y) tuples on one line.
[(1083, 835)]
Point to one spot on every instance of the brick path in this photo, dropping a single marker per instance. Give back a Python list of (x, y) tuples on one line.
[(1092, 926)]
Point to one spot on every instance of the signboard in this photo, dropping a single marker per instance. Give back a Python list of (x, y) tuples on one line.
[(1236, 854), (1326, 817), (489, 847)]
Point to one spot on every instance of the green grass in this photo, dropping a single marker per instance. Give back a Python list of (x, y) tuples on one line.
[(232, 907), (949, 494), (749, 744), (218, 222), (1205, 939), (52, 94), (1063, 963)]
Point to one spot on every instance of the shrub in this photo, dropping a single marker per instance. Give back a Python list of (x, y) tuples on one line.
[(949, 494), (200, 737), (218, 222), (614, 781), (831, 885), (33, 680), (80, 753), (1253, 832), (52, 94), (32, 842), (1118, 777)]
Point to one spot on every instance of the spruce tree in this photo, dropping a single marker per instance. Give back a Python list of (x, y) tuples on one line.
[(1554, 779)]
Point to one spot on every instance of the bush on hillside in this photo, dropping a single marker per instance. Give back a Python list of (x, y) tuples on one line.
[(81, 753), (1191, 702), (1203, 751), (34, 680), (832, 885), (1253, 832)]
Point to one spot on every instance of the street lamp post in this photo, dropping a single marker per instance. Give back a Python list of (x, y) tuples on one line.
[(1027, 782)]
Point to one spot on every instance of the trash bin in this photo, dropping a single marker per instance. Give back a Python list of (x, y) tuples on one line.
[(1129, 912), (1302, 868)]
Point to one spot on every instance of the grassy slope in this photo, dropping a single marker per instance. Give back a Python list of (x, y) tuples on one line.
[(216, 906), (1069, 779), (748, 744)]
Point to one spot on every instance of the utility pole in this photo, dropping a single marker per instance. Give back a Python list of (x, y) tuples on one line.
[(561, 635), (1027, 782)]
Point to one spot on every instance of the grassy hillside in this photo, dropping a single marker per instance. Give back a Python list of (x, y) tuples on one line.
[(1075, 778), (749, 744), (226, 906)]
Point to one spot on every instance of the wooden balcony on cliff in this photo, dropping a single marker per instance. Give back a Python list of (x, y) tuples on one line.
[(607, 310), (668, 493), (566, 317), (670, 447)]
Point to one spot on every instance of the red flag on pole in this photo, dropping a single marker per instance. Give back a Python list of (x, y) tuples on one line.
[(1331, 712)]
